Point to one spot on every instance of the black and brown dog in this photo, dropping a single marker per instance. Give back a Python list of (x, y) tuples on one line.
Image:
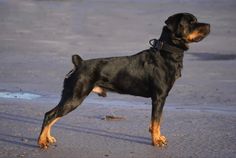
[(150, 73)]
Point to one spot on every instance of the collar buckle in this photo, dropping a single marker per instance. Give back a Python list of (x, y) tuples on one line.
[(157, 44)]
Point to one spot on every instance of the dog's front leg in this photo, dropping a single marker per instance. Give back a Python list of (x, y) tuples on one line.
[(157, 107)]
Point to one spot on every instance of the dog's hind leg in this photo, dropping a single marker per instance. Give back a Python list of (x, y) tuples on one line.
[(71, 99), (45, 137)]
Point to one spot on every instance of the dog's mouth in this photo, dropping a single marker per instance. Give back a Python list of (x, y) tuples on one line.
[(199, 33)]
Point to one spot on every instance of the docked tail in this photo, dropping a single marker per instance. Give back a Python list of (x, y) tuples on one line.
[(76, 60)]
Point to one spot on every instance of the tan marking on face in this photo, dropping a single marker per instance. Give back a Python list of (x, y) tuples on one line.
[(193, 35)]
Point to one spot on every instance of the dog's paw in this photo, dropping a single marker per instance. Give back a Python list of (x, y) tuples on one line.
[(160, 141), (43, 143), (51, 139)]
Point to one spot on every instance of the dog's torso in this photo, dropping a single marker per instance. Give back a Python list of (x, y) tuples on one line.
[(143, 74)]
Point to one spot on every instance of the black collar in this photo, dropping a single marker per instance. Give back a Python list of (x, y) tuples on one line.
[(160, 45)]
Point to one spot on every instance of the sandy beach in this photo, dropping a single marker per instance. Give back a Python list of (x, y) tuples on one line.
[(37, 39)]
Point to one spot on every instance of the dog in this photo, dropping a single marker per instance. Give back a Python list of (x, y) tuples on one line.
[(150, 73)]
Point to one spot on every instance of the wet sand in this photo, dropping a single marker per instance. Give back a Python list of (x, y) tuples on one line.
[(37, 39)]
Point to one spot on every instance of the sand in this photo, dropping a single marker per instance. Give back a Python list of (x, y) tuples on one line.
[(37, 39)]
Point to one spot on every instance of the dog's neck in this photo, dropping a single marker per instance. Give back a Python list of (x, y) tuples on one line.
[(168, 37), (176, 57)]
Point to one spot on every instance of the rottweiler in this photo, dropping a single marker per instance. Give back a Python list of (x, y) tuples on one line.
[(150, 73)]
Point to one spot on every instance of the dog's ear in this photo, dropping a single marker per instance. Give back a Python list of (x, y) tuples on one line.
[(173, 21), (76, 60)]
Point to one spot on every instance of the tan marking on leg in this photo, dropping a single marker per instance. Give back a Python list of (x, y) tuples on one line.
[(42, 141), (45, 137), (157, 138), (100, 91), (51, 139)]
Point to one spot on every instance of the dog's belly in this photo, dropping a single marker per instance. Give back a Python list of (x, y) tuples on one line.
[(136, 90), (126, 83)]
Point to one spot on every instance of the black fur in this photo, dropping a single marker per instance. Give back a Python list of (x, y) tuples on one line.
[(150, 73)]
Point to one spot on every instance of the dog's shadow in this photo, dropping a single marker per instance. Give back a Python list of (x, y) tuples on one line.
[(31, 142), (18, 140)]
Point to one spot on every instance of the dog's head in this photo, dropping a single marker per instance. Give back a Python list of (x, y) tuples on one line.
[(186, 28)]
